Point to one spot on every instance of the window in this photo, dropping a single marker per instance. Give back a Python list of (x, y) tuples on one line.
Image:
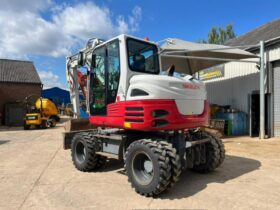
[(104, 78), (98, 100), (142, 56), (113, 70)]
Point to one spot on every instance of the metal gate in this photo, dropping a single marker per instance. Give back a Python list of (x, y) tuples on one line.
[(276, 92)]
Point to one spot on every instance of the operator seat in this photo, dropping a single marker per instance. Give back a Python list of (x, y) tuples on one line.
[(138, 62)]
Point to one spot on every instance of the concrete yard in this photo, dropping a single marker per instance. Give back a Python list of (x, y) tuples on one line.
[(36, 173)]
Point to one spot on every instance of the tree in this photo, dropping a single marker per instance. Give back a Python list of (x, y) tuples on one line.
[(218, 35)]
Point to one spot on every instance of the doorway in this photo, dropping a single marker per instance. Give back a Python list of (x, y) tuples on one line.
[(254, 112)]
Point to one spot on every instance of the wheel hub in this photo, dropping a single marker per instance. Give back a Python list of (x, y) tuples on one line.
[(80, 152), (148, 166), (142, 168)]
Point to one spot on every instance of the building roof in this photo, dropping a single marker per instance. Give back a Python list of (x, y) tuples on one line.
[(265, 32), (16, 71)]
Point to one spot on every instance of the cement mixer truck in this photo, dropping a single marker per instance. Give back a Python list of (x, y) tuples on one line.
[(43, 115)]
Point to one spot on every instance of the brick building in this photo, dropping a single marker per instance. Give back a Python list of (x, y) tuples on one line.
[(18, 79)]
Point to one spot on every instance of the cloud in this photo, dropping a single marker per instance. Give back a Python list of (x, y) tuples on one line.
[(30, 5), (25, 31), (84, 20), (49, 79), (28, 34), (135, 18)]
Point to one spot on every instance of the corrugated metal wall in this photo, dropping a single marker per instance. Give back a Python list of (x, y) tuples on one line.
[(274, 52), (240, 79), (233, 91), (237, 69), (234, 69), (276, 92)]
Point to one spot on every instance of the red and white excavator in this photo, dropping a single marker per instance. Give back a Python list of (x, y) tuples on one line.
[(142, 114)]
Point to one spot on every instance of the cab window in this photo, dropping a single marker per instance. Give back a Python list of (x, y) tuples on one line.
[(98, 97), (113, 70), (142, 56)]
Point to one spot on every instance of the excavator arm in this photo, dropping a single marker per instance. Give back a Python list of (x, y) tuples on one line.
[(78, 82)]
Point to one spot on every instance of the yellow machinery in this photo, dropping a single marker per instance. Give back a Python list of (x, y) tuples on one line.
[(69, 110), (44, 114)]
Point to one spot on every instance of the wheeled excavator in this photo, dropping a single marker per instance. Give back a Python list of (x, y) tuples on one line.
[(140, 114)]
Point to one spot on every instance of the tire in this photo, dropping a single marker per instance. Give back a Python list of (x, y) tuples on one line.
[(26, 127), (221, 148), (147, 167), (56, 118), (101, 161), (83, 152), (176, 166), (52, 123), (212, 155), (43, 124)]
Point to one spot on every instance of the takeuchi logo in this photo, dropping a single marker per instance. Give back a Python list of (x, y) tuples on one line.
[(190, 86)]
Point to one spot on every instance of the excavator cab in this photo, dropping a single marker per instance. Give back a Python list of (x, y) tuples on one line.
[(111, 65), (104, 77)]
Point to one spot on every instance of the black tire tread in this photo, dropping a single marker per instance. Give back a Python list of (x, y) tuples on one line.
[(221, 148), (213, 159), (176, 166), (26, 127), (164, 163), (94, 161)]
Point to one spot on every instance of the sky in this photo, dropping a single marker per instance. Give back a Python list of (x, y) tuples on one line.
[(46, 31)]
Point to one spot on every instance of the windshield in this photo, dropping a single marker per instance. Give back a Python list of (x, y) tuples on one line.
[(142, 56)]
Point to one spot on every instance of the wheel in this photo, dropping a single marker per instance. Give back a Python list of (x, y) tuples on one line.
[(56, 118), (147, 167), (52, 123), (43, 124), (221, 148), (83, 152), (213, 155), (26, 127), (176, 166), (101, 161)]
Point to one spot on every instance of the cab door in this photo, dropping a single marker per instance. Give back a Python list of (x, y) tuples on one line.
[(104, 79), (98, 83)]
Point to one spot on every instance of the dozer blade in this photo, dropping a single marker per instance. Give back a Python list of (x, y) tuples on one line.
[(78, 125)]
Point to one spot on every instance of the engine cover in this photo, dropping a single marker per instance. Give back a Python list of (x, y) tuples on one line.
[(188, 93)]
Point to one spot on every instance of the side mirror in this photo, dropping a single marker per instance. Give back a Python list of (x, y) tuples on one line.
[(93, 64), (81, 59)]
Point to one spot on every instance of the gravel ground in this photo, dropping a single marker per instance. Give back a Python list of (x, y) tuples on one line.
[(36, 173)]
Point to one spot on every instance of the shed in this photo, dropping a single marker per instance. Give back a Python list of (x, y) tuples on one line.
[(18, 79), (57, 95), (238, 84)]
